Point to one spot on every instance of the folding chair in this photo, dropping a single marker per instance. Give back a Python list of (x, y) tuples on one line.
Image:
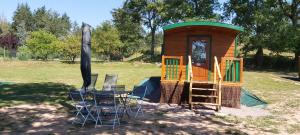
[(107, 108), (110, 80), (122, 97), (92, 86), (82, 108), (138, 94)]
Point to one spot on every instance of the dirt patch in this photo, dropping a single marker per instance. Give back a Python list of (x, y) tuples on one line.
[(158, 119)]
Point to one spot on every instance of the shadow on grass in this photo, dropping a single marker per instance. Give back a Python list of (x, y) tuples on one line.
[(11, 94), (291, 78), (147, 58)]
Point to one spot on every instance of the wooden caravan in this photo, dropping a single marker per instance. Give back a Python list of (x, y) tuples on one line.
[(200, 64)]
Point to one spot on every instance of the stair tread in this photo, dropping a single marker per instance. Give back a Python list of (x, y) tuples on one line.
[(204, 103), (204, 96), (206, 82), (210, 89)]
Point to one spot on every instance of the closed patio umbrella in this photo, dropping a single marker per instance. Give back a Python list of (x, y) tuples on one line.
[(85, 62)]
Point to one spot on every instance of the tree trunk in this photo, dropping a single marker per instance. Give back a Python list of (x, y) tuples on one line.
[(3, 52), (299, 67), (73, 59), (259, 57), (152, 41), (297, 54)]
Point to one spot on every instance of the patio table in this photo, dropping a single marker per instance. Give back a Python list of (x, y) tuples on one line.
[(121, 94)]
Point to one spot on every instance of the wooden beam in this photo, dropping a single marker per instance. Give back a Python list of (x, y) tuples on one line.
[(163, 68)]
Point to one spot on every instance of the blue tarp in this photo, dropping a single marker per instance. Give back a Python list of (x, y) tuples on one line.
[(251, 100), (153, 88)]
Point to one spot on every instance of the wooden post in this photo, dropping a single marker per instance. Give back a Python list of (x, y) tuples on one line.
[(163, 68), (190, 77), (215, 75), (181, 67)]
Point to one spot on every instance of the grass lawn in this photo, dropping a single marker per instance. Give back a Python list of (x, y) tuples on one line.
[(48, 82)]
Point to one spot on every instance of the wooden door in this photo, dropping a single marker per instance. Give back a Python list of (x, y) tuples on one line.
[(199, 49)]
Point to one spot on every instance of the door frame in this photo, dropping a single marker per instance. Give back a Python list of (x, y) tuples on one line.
[(210, 51)]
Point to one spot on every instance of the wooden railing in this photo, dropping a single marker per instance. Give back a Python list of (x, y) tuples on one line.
[(218, 82), (233, 72), (190, 71), (190, 78), (172, 67)]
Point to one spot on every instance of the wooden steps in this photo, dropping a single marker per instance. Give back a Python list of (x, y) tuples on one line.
[(202, 82), (205, 92), (205, 96), (204, 89), (204, 103)]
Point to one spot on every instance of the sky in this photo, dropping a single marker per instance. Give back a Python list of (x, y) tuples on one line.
[(93, 12)]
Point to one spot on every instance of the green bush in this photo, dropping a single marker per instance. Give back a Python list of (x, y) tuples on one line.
[(23, 53)]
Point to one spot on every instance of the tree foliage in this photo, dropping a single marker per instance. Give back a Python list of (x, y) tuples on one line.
[(130, 29), (9, 41), (21, 33), (70, 48), (264, 25), (106, 40), (23, 14), (43, 44), (51, 21), (151, 14), (4, 25), (183, 10)]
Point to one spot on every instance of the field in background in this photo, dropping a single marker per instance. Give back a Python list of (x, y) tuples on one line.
[(129, 74)]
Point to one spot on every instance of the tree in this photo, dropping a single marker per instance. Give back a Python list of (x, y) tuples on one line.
[(183, 10), (151, 14), (130, 29), (51, 21), (75, 29), (21, 33), (4, 25), (71, 47), (9, 41), (291, 9), (261, 20), (23, 14), (106, 40), (42, 44)]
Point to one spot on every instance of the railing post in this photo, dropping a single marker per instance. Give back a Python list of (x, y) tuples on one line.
[(215, 75), (163, 66), (181, 67)]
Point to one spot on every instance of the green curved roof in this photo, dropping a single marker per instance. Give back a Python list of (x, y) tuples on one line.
[(203, 23)]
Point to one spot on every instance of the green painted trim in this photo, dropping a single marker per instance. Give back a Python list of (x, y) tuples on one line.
[(176, 69), (226, 73), (232, 71), (237, 71), (203, 23)]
